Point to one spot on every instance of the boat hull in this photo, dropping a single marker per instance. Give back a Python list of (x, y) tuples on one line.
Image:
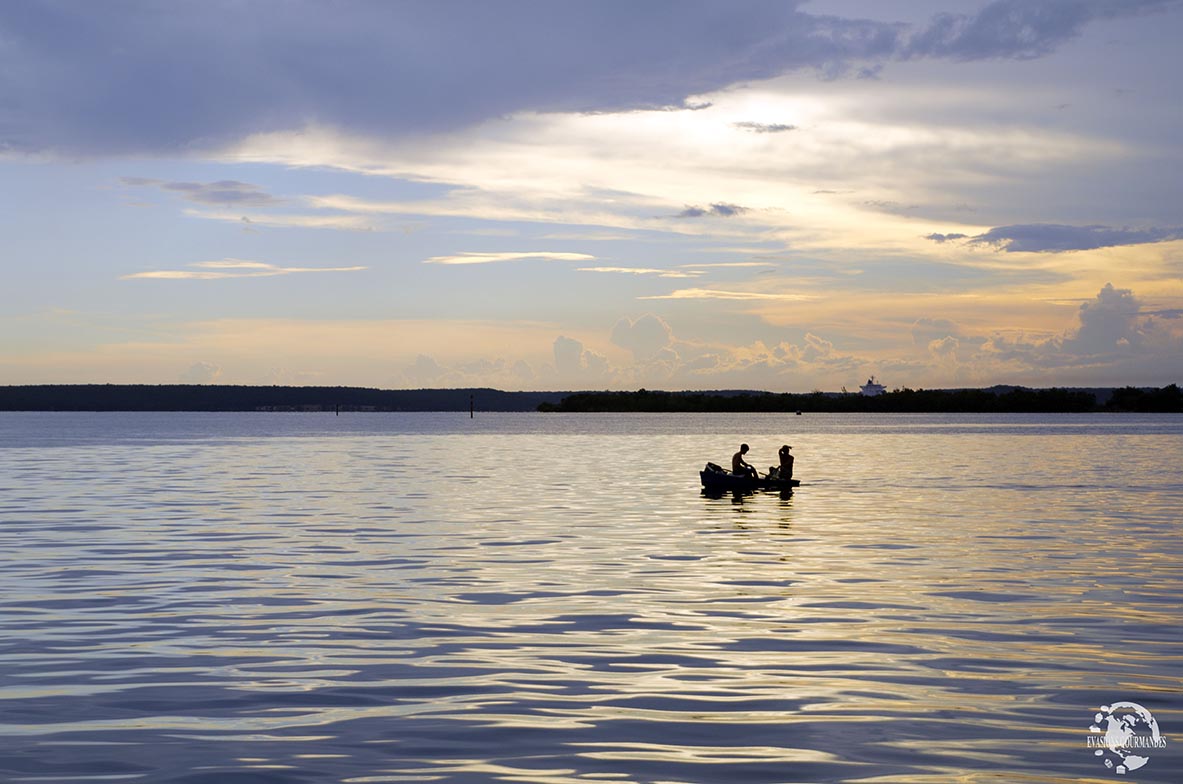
[(722, 481)]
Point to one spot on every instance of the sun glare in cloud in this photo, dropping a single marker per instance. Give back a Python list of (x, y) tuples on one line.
[(850, 173)]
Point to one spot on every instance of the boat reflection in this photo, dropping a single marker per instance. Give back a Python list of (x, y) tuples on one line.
[(738, 496)]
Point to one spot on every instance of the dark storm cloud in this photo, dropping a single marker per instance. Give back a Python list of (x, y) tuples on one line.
[(713, 211), (135, 76), (1052, 238)]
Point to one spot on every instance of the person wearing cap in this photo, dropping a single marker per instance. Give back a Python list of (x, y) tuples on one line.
[(740, 466), (786, 463)]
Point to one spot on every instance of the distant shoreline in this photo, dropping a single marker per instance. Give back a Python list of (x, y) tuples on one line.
[(202, 397), (222, 397), (993, 400)]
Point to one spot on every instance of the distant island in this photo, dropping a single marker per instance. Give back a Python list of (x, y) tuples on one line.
[(208, 397)]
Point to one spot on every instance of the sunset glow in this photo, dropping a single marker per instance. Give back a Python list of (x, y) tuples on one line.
[(797, 207)]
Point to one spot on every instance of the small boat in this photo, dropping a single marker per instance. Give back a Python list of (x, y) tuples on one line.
[(715, 479)]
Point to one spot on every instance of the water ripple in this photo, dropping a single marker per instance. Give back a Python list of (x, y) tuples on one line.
[(207, 600)]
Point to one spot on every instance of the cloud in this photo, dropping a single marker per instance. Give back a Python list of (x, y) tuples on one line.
[(551, 168), (501, 185), (223, 192), (96, 78), (660, 359), (782, 366), (755, 127), (1110, 322), (713, 211), (890, 207), (724, 264), (232, 268), (661, 273), (425, 372), (501, 373), (1018, 29), (943, 238), (646, 337), (575, 364), (201, 373), (287, 220), (945, 348), (741, 296), (816, 348), (568, 355), (481, 370), (1115, 341), (490, 258), (926, 330), (1055, 238)]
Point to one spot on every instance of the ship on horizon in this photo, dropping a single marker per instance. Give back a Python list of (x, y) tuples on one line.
[(872, 388)]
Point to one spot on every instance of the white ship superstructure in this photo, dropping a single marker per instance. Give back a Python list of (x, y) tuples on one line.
[(872, 388)]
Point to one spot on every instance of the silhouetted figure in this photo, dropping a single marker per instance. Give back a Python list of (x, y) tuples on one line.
[(740, 466), (785, 471)]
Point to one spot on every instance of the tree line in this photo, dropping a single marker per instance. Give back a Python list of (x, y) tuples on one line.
[(216, 397), (210, 397), (1007, 400)]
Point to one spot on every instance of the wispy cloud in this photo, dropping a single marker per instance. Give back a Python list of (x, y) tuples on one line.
[(713, 211), (943, 238), (730, 295), (756, 127), (289, 220), (890, 207), (580, 236), (232, 268), (222, 192), (1052, 238), (492, 258), (661, 273), (201, 373), (1006, 29), (500, 198), (729, 264)]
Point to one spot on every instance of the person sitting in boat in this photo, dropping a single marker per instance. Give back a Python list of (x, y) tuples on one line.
[(785, 470), (740, 466)]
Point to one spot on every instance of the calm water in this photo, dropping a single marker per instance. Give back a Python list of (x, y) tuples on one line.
[(211, 598)]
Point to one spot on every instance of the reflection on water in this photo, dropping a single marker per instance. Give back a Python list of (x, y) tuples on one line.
[(205, 598)]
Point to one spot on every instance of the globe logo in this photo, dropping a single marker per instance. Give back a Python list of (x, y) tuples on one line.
[(1123, 734)]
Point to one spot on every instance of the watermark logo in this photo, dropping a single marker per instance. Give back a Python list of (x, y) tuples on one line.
[(1124, 735)]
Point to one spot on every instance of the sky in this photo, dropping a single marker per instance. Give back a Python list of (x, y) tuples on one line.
[(526, 194)]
